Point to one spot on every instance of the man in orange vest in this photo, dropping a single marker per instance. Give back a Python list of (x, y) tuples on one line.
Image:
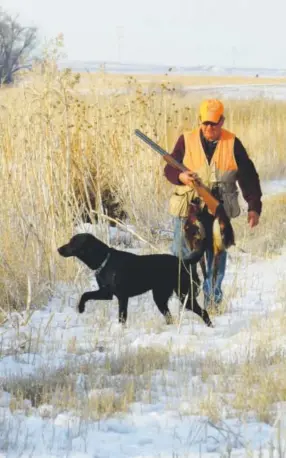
[(220, 160)]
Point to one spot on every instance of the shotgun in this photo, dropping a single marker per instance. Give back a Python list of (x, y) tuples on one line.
[(215, 206)]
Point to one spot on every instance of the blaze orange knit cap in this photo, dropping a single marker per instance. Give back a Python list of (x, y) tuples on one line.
[(211, 110)]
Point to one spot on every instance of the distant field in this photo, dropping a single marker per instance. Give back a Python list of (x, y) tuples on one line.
[(118, 80)]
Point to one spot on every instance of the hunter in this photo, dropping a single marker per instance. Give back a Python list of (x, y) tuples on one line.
[(220, 160)]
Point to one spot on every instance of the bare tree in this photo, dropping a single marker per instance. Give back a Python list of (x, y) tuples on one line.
[(16, 44)]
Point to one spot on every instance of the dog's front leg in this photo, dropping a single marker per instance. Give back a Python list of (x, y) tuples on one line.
[(100, 294), (123, 303)]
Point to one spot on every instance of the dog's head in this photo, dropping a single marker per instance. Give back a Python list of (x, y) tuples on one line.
[(85, 247), (74, 246)]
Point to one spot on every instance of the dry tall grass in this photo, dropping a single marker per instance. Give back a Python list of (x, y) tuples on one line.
[(60, 145), (93, 390), (268, 239)]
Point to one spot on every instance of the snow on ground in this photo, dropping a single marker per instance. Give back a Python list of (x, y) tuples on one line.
[(162, 428), (271, 187), (200, 70), (225, 91), (237, 91)]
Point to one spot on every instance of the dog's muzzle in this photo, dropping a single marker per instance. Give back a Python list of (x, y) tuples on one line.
[(65, 251)]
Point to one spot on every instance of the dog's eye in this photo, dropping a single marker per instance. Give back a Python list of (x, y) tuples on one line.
[(77, 247)]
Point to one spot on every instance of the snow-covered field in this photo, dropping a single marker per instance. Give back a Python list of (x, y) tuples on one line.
[(167, 423), (199, 70), (237, 91), (229, 91)]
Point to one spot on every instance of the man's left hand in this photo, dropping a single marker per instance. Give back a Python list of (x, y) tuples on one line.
[(253, 219)]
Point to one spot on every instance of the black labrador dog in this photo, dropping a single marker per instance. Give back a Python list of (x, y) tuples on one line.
[(124, 275)]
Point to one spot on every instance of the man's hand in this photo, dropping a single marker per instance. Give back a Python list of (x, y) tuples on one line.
[(188, 178), (253, 219)]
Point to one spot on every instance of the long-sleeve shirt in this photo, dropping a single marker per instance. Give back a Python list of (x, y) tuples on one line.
[(247, 175)]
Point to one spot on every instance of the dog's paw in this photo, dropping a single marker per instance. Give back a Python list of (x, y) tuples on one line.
[(169, 319), (81, 307)]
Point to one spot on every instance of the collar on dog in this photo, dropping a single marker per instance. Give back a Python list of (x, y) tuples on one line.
[(99, 269)]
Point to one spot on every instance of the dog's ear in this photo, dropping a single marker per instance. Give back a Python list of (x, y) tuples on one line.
[(77, 242)]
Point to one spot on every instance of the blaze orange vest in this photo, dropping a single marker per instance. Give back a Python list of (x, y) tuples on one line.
[(222, 172), (223, 161)]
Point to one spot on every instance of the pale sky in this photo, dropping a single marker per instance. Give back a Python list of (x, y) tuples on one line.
[(242, 33)]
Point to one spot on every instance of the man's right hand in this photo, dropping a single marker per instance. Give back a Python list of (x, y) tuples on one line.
[(188, 178)]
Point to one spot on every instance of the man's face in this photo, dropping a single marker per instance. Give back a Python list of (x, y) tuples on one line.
[(212, 131)]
